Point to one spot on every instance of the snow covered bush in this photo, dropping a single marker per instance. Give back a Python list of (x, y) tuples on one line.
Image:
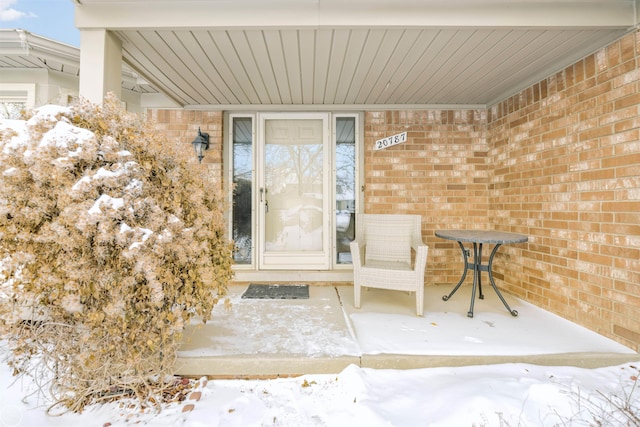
[(110, 242)]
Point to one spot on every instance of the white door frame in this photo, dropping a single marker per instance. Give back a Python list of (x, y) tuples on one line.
[(298, 260)]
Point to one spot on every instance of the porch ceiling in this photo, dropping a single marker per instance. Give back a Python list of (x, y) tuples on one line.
[(353, 52)]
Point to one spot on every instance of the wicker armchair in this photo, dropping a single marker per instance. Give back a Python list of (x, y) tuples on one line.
[(388, 253)]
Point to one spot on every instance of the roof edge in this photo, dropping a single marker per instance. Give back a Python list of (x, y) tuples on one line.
[(125, 14)]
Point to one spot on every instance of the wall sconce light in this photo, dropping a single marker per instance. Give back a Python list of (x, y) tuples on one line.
[(200, 144)]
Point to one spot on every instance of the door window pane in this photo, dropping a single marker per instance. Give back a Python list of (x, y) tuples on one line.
[(294, 186), (242, 194), (345, 187)]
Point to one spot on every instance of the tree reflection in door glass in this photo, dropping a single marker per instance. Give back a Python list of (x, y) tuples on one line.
[(345, 187), (294, 185), (242, 194), (294, 175)]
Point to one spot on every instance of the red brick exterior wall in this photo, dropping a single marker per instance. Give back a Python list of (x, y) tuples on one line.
[(181, 127), (559, 162), (442, 173), (566, 158)]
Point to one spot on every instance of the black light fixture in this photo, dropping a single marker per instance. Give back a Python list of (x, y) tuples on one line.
[(200, 144)]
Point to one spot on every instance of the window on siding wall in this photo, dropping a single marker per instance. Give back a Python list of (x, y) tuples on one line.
[(16, 98), (242, 141), (12, 110)]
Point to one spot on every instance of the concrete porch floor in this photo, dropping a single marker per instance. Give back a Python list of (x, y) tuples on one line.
[(325, 334)]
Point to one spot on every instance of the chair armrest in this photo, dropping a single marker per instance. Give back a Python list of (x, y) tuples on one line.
[(421, 257), (357, 252), (416, 242)]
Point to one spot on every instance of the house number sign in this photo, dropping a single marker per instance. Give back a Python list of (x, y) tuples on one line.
[(391, 141)]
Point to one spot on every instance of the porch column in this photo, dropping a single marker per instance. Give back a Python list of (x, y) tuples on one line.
[(100, 64)]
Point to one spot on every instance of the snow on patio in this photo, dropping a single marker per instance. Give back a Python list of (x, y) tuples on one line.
[(327, 324)]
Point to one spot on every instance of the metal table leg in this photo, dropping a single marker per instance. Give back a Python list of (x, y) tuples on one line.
[(464, 274), (477, 260), (477, 281), (514, 313), (478, 267)]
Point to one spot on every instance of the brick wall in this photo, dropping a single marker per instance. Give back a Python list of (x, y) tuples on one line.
[(566, 153), (441, 173), (181, 127)]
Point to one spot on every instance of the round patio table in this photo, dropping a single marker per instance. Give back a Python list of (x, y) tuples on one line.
[(478, 238)]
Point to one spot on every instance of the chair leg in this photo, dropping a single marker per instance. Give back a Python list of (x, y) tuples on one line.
[(356, 295), (419, 303)]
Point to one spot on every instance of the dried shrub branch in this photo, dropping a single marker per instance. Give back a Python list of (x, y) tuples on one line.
[(110, 242)]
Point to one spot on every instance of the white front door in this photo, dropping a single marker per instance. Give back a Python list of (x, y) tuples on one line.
[(293, 191)]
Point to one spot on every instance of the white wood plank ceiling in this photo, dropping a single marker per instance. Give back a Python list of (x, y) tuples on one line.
[(354, 52), (352, 66)]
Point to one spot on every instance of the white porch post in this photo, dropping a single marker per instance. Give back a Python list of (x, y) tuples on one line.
[(100, 64)]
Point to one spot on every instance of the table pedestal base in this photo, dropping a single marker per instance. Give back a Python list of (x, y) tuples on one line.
[(477, 267)]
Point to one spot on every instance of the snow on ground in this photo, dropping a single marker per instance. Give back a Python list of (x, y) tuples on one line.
[(494, 395), (504, 395)]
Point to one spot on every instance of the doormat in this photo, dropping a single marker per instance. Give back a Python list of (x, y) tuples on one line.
[(255, 291)]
